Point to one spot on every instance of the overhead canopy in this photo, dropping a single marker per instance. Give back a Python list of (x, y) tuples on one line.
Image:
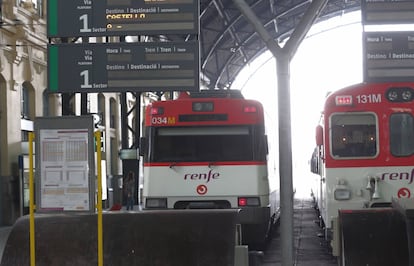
[(228, 41)]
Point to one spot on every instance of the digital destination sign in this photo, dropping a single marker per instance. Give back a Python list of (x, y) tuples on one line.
[(123, 67), (387, 12), (388, 56), (80, 18)]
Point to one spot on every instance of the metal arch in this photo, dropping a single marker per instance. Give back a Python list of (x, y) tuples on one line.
[(236, 45), (256, 42), (221, 72), (219, 6), (286, 9), (233, 60), (230, 25)]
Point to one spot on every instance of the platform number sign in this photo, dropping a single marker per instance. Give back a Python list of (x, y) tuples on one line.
[(85, 76), (119, 18), (84, 19), (117, 67), (140, 67)]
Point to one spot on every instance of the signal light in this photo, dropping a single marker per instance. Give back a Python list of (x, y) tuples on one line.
[(242, 202), (248, 201), (157, 110), (250, 109), (343, 100)]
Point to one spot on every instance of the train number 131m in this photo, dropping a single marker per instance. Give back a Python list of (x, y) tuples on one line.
[(368, 98)]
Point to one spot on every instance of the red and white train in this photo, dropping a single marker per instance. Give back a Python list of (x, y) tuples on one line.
[(208, 150), (365, 159)]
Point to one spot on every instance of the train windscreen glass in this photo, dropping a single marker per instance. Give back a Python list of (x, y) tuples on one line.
[(353, 135)]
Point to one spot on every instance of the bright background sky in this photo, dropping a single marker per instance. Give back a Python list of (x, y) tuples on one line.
[(328, 59)]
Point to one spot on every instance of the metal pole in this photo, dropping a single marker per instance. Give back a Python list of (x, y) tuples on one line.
[(285, 160), (136, 141), (283, 57), (84, 103), (124, 121), (99, 197), (285, 152), (31, 203)]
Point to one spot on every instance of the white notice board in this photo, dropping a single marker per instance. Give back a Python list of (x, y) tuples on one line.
[(64, 159)]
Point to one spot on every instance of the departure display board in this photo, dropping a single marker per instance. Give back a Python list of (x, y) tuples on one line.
[(388, 56), (81, 18), (123, 67), (387, 12)]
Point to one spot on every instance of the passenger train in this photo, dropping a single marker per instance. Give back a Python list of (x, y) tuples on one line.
[(209, 150)]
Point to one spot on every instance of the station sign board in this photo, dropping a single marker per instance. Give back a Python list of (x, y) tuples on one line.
[(86, 18), (65, 176), (123, 67), (378, 12), (388, 56)]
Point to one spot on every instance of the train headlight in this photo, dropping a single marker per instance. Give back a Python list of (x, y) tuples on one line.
[(407, 95), (342, 193), (400, 94), (392, 95), (156, 203)]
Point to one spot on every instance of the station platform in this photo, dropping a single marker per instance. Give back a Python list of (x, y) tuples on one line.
[(310, 249)]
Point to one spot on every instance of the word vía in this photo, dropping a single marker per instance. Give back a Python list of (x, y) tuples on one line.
[(399, 176), (202, 176)]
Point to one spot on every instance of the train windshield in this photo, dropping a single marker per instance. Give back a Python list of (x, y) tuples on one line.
[(207, 144), (353, 135), (402, 134)]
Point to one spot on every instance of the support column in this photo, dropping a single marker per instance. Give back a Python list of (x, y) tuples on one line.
[(285, 160), (130, 165), (283, 57)]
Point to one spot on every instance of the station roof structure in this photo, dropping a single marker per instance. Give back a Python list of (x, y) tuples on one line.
[(228, 41)]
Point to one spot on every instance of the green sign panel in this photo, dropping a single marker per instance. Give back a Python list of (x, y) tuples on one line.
[(122, 67), (81, 18)]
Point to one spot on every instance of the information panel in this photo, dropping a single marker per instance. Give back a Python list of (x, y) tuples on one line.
[(387, 12), (65, 164), (123, 67), (388, 56), (81, 18)]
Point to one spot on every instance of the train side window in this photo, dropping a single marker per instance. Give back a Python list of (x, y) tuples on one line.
[(315, 161), (402, 134)]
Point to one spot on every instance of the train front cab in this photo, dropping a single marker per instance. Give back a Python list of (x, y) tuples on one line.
[(356, 192)]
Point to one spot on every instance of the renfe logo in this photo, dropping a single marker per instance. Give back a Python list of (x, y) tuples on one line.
[(202, 176), (399, 176)]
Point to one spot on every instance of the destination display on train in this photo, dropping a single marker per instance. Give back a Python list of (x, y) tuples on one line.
[(387, 12), (122, 67), (79, 18), (388, 56)]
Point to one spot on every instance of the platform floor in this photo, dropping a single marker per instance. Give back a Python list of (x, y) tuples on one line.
[(310, 249), (4, 234)]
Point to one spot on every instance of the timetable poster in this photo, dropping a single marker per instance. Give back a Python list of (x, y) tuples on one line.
[(64, 180)]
